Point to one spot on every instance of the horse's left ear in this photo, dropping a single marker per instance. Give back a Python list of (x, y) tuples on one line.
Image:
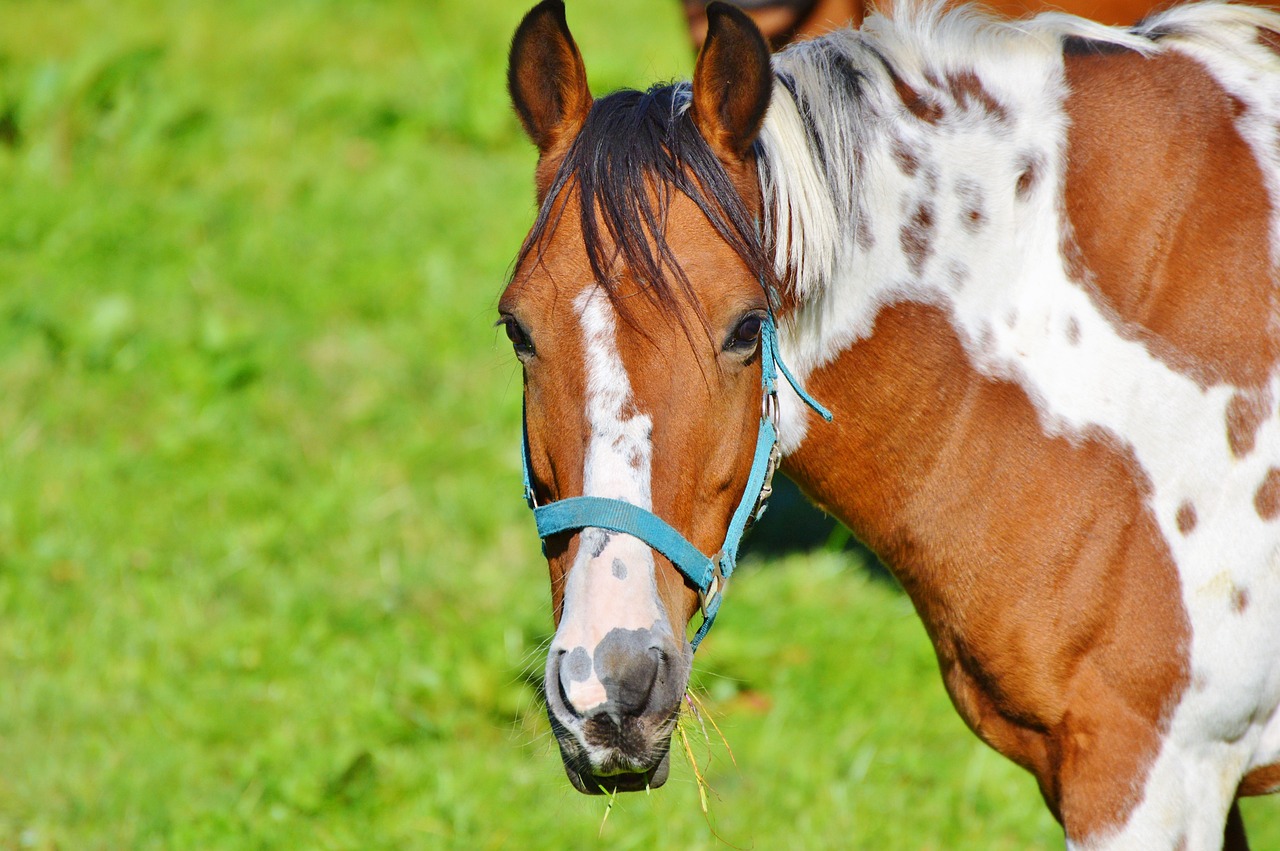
[(546, 77), (731, 83)]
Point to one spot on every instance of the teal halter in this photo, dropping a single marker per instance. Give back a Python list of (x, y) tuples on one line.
[(707, 573)]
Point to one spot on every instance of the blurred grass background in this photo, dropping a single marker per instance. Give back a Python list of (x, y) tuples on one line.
[(266, 579)]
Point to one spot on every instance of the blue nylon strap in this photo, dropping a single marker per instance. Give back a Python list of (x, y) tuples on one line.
[(742, 516), (580, 512), (524, 458), (769, 336), (751, 494)]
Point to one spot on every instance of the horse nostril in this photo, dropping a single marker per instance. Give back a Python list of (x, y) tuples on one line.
[(634, 680), (572, 672), (628, 674)]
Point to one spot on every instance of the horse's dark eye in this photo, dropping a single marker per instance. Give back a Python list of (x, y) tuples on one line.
[(519, 339), (747, 334)]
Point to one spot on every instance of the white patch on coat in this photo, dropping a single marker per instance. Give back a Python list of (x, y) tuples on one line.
[(1021, 317), (618, 460)]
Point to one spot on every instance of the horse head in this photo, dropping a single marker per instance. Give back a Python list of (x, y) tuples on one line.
[(640, 311)]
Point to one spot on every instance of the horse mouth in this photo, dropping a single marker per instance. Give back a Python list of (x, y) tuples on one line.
[(589, 783), (624, 743), (613, 769)]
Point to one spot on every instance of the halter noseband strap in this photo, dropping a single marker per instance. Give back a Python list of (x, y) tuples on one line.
[(707, 573)]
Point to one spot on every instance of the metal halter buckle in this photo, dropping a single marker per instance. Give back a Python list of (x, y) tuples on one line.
[(766, 490), (775, 455), (714, 590)]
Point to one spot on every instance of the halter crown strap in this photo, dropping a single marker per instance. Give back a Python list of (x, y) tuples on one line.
[(705, 573), (772, 359)]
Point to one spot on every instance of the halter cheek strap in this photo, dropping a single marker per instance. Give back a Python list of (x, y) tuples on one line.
[(707, 573)]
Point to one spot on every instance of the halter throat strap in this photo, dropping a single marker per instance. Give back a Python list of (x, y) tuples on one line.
[(706, 573)]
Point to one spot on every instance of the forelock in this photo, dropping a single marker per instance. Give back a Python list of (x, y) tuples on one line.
[(634, 150)]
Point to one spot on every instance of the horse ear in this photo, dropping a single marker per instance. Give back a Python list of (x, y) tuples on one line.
[(546, 77), (731, 83)]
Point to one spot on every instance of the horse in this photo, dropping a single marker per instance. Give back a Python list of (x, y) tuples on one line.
[(1029, 272), (784, 21), (781, 21)]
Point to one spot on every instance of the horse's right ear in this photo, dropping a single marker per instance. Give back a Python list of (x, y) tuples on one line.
[(732, 82), (546, 77)]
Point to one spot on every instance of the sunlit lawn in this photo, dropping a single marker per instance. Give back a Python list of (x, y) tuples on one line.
[(266, 579)]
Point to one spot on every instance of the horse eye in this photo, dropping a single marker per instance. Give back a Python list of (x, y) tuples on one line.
[(747, 333), (519, 339)]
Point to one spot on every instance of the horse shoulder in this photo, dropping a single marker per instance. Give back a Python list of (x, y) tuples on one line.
[(1170, 208)]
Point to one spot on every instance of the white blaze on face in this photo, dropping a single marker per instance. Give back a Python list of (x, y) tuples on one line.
[(611, 584)]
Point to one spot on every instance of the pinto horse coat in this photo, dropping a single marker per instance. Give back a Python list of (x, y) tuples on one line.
[(784, 21), (1031, 268)]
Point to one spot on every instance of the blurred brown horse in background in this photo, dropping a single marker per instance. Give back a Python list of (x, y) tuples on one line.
[(784, 21)]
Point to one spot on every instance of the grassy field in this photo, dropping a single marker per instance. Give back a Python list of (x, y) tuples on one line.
[(266, 579)]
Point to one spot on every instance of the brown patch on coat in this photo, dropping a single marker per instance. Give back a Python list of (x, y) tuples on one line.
[(970, 94), (1053, 601), (972, 216), (1240, 600), (1266, 500), (1246, 412), (1186, 518), (1263, 780), (1186, 269), (1028, 177), (1269, 40), (908, 163), (783, 23), (926, 109), (916, 237), (863, 235)]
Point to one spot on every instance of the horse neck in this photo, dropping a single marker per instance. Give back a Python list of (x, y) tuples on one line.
[(903, 288), (991, 404)]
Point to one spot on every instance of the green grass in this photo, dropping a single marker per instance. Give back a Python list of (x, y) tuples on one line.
[(266, 579)]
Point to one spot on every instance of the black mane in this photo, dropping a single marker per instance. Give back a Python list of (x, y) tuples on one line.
[(634, 149)]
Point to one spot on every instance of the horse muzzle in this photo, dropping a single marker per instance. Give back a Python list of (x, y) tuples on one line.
[(614, 723)]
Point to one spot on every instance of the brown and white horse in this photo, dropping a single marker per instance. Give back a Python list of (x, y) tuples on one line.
[(784, 21), (1031, 268)]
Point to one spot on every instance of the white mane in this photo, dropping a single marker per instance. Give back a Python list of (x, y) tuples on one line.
[(835, 99)]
